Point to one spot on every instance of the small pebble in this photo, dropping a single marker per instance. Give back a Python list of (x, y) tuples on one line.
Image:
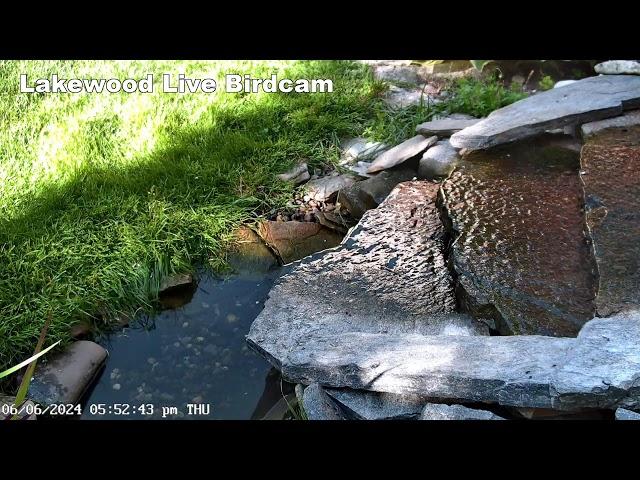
[(116, 386)]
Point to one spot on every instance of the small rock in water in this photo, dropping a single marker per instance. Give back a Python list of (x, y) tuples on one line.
[(116, 386), (176, 282)]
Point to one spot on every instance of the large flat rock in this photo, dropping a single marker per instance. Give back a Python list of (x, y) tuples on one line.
[(520, 251), (598, 369), (610, 172), (583, 101), (388, 277)]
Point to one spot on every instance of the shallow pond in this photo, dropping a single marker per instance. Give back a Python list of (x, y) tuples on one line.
[(192, 355)]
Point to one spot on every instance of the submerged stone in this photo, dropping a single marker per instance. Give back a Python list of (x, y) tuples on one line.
[(295, 240), (249, 254), (68, 375), (589, 99), (610, 172), (388, 277), (521, 255)]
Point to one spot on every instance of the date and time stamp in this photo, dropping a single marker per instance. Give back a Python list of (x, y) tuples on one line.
[(103, 409)]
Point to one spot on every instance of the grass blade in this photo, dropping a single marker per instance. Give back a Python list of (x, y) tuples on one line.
[(26, 380)]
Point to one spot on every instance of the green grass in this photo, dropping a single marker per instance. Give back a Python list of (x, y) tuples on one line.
[(103, 195)]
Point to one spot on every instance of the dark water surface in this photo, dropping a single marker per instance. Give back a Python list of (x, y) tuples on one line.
[(194, 354)]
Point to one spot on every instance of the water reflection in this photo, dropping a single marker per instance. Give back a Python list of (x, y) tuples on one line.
[(194, 354)]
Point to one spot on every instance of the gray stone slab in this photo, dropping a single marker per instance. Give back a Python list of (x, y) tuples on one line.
[(388, 276), (397, 97), (438, 411), (401, 153), (67, 376), (438, 161), (297, 175), (624, 414), (320, 406), (583, 101), (323, 188), (602, 369), (599, 369), (378, 406), (368, 194), (618, 67), (445, 127), (360, 149), (628, 119)]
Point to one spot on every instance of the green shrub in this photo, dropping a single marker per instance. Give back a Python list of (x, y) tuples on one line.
[(480, 97)]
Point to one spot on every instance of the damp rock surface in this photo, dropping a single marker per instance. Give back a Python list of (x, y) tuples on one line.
[(586, 100), (436, 411), (628, 119), (320, 406), (387, 277), (378, 406), (520, 253), (610, 172), (68, 375)]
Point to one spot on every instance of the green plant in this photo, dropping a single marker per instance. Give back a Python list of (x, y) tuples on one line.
[(31, 361), (479, 97), (546, 83)]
